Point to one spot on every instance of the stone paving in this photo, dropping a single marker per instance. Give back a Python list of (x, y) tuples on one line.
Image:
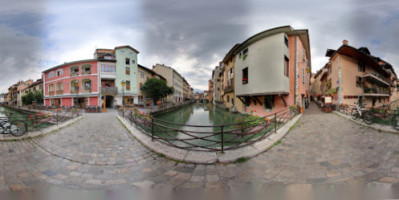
[(98, 153)]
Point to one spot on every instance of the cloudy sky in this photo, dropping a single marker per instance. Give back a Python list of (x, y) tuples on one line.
[(191, 36)]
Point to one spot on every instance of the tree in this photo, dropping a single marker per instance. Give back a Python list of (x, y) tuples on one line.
[(37, 96), (156, 89)]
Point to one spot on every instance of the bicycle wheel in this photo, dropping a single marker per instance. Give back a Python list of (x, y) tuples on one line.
[(354, 113), (18, 128), (395, 122), (368, 117)]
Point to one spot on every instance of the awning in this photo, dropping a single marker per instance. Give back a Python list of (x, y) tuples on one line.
[(332, 91)]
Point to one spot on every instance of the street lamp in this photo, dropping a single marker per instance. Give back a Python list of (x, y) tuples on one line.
[(123, 92)]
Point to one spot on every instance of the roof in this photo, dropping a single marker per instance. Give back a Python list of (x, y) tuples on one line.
[(70, 63), (169, 68), (231, 53), (363, 54), (129, 47), (151, 71)]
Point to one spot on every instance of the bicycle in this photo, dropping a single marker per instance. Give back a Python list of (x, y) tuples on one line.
[(385, 115), (16, 128), (359, 111)]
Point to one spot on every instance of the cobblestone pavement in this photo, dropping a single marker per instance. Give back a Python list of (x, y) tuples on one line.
[(98, 153)]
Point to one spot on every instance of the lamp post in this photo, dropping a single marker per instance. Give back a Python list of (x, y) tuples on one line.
[(123, 92)]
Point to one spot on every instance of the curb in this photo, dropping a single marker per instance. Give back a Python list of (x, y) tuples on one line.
[(377, 127), (39, 133), (199, 157)]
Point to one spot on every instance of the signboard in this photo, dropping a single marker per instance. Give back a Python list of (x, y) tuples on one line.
[(327, 99)]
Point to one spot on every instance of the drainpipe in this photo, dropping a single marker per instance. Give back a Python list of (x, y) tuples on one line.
[(296, 70), (339, 80)]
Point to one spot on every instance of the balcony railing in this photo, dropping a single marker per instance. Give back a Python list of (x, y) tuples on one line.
[(51, 93), (75, 74), (109, 90), (86, 73), (376, 91), (376, 78), (59, 92), (229, 88)]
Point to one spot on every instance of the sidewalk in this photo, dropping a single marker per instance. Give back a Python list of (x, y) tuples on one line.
[(374, 126)]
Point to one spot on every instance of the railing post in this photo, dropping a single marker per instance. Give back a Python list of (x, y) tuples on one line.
[(152, 129), (57, 118), (275, 122), (222, 138)]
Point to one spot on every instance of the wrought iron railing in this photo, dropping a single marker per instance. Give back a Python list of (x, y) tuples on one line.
[(217, 138)]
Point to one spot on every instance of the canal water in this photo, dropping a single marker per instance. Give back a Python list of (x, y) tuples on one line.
[(198, 114), (4, 111)]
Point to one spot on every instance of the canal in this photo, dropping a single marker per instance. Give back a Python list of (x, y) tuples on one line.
[(182, 119), (25, 116)]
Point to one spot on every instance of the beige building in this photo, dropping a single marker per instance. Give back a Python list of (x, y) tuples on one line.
[(143, 75), (355, 76), (173, 79), (217, 80), (21, 86)]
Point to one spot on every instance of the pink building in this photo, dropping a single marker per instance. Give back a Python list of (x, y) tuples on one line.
[(72, 84)]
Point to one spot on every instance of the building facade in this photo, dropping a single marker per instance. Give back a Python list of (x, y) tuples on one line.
[(173, 79), (353, 75), (273, 70), (217, 80), (143, 75), (72, 84)]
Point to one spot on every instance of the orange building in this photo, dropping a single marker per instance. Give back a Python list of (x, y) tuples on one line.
[(355, 76)]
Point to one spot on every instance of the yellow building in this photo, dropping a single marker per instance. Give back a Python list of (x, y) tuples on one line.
[(228, 87), (143, 75)]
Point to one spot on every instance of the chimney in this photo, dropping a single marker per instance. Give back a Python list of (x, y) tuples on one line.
[(345, 42)]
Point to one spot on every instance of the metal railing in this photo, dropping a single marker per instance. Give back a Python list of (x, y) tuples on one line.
[(217, 138), (109, 90)]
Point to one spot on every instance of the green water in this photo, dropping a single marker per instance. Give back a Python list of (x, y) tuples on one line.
[(204, 115), (17, 115)]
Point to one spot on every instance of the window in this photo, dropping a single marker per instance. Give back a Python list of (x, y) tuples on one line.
[(74, 86), (86, 85), (359, 81), (127, 85), (245, 52), (59, 86), (141, 85), (127, 70), (245, 76), (268, 102), (303, 54), (51, 88), (142, 74), (133, 62), (60, 72), (303, 75), (127, 61), (329, 70), (74, 70), (286, 66), (228, 98), (286, 41), (107, 68), (231, 72), (361, 67), (86, 69), (51, 75)]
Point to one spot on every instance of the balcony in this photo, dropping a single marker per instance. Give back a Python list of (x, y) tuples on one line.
[(376, 91), (74, 74), (51, 93), (376, 78), (228, 88), (60, 92), (109, 90)]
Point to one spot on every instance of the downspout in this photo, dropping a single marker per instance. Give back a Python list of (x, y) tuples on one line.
[(339, 80), (296, 71)]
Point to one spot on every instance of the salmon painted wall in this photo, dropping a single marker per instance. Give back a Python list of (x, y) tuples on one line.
[(65, 77), (260, 109), (66, 102), (93, 101)]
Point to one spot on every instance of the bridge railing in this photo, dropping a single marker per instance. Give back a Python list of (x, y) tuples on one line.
[(217, 138)]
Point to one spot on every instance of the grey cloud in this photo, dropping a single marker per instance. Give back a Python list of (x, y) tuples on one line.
[(200, 29)]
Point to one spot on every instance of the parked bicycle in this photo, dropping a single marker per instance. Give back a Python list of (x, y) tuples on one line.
[(384, 114), (16, 128), (359, 111)]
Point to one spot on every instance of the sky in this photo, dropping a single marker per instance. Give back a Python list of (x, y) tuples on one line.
[(190, 36)]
